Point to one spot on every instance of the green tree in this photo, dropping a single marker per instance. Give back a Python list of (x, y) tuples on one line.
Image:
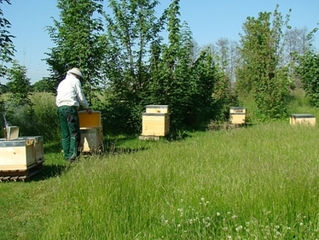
[(44, 85), (18, 84), (260, 72), (131, 29), (6, 44), (204, 75), (77, 39), (173, 85), (308, 70)]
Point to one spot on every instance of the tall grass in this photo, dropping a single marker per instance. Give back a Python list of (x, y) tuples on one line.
[(253, 183), (259, 182)]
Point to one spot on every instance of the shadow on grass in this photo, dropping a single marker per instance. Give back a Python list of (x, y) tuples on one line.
[(52, 147), (123, 145), (48, 171)]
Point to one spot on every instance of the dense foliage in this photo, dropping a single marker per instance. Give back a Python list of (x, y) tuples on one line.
[(6, 44), (77, 41), (260, 73), (308, 70), (143, 70)]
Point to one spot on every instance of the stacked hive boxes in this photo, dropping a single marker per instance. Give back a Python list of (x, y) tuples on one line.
[(306, 119), (237, 115), (155, 121), (91, 131)]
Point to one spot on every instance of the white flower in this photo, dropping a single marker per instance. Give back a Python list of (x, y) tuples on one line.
[(239, 228)]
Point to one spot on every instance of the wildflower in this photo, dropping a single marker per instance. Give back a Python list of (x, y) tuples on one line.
[(239, 228), (218, 214)]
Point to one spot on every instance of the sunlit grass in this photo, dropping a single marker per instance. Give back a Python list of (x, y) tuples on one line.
[(251, 183), (259, 182)]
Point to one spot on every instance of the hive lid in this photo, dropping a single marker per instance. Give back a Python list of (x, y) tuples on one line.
[(156, 106), (302, 115), (21, 141), (155, 114)]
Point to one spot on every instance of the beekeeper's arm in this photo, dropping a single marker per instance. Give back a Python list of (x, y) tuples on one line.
[(81, 98)]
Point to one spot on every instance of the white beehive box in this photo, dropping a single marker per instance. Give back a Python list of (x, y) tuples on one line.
[(91, 139), (305, 119), (21, 154), (237, 115)]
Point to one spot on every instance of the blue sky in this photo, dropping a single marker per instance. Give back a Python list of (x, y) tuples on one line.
[(209, 21)]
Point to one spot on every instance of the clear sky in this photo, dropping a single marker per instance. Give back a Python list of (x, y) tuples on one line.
[(209, 21)]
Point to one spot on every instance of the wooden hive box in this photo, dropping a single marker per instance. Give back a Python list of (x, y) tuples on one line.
[(156, 109), (237, 115), (12, 132), (305, 119), (91, 139), (91, 131), (21, 154), (155, 124), (90, 120)]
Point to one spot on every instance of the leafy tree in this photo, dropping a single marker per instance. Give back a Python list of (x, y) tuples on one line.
[(308, 70), (6, 44), (181, 78), (44, 85), (77, 40), (204, 75), (132, 28), (18, 85), (260, 72), (173, 85)]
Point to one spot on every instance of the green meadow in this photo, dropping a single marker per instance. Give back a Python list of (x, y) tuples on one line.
[(256, 182)]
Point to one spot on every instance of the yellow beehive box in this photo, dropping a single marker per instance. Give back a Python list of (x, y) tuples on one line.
[(157, 109), (21, 154), (91, 139), (237, 115), (90, 120), (305, 119), (155, 124)]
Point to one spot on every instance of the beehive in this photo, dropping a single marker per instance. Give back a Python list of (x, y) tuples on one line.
[(237, 115), (90, 120), (91, 139), (91, 131), (156, 109), (21, 154), (305, 119), (155, 124)]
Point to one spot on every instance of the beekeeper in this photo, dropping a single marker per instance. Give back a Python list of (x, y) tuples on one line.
[(69, 98)]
